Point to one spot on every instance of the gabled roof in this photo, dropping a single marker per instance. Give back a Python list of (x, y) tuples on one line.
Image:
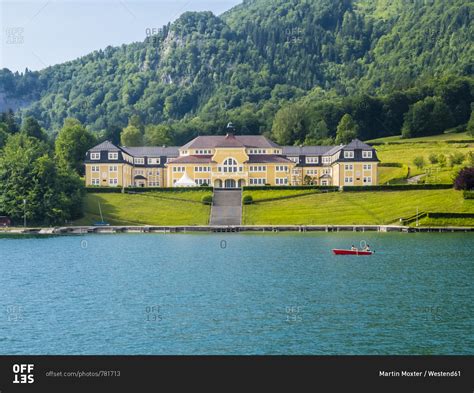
[(105, 146), (268, 159), (334, 150), (229, 140), (357, 144), (306, 150), (149, 151), (192, 160)]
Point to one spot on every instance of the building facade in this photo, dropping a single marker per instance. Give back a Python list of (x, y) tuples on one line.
[(231, 162)]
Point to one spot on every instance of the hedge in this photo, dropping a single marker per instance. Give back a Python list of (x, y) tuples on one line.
[(247, 200), (391, 164), (468, 194), (207, 199), (450, 215), (118, 190), (398, 187), (260, 188)]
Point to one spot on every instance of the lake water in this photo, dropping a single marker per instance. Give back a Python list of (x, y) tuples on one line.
[(236, 294)]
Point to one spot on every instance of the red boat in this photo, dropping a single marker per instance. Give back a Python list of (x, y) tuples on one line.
[(351, 252)]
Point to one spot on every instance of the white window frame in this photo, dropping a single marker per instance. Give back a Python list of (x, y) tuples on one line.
[(349, 154), (95, 169), (230, 165), (281, 181), (294, 159), (95, 156), (113, 156), (139, 161), (282, 168), (366, 153), (326, 160), (368, 180), (113, 182), (95, 182), (113, 168), (154, 161), (348, 180), (312, 160)]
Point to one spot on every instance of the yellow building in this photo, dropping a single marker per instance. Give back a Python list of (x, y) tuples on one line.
[(231, 162)]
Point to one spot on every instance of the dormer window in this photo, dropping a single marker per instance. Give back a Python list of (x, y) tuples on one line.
[(326, 160), (95, 156), (349, 154), (312, 160), (294, 159), (139, 161), (113, 156), (153, 161), (367, 154)]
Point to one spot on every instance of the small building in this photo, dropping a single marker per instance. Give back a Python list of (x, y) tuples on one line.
[(5, 221)]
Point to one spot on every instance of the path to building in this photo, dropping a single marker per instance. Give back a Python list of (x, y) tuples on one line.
[(226, 207), (415, 179)]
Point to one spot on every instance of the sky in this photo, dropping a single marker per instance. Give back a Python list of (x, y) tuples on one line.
[(39, 33)]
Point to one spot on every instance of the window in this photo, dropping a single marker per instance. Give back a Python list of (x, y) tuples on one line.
[(327, 171), (113, 182), (113, 156), (348, 180), (258, 168), (282, 168), (294, 159), (179, 169), (368, 180), (258, 182), (153, 184), (203, 152), (95, 156), (95, 168), (138, 172), (201, 182), (312, 172), (367, 167), (326, 160), (367, 154), (349, 154), (95, 182), (113, 168), (312, 160), (202, 169), (153, 161), (139, 161), (257, 151), (281, 181), (348, 167), (230, 165)]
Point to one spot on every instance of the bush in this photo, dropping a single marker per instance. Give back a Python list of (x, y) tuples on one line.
[(207, 200), (456, 158), (247, 200), (260, 188), (465, 179), (118, 190), (419, 162), (468, 194), (442, 160), (433, 158)]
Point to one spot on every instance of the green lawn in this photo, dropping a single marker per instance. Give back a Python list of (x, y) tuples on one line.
[(157, 208), (462, 136), (374, 207), (404, 153)]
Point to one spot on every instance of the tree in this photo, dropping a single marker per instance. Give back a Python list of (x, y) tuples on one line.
[(419, 162), (442, 160), (31, 127), (158, 135), (346, 130), (429, 116), (470, 124), (457, 158), (433, 158), (289, 125), (28, 172), (131, 136), (318, 134), (72, 144), (3, 135), (465, 179)]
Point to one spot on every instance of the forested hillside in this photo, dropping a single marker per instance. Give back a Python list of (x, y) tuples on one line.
[(293, 67)]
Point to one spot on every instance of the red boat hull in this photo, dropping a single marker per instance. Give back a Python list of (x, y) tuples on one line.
[(350, 252)]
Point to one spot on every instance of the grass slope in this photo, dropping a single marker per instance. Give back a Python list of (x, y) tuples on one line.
[(158, 208), (375, 207)]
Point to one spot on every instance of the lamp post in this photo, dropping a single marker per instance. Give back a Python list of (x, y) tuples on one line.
[(24, 213)]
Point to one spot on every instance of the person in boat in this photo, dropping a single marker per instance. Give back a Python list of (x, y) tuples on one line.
[(353, 248), (367, 248)]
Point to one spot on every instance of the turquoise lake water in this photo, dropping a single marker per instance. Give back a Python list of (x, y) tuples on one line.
[(237, 294)]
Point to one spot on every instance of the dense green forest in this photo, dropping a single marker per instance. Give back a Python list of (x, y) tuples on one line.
[(292, 68)]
